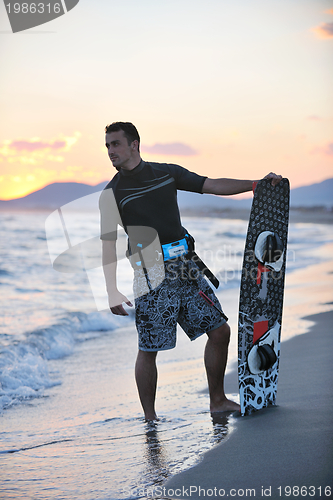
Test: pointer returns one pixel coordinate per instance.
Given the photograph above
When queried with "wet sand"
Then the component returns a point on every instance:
(289, 445)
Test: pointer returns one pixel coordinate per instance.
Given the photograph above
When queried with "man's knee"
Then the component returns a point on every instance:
(220, 335)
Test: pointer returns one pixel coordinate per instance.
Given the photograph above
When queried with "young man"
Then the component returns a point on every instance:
(144, 196)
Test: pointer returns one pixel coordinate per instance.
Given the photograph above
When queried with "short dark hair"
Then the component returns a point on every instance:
(129, 130)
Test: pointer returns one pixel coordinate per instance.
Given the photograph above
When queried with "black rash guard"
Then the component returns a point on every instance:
(147, 196)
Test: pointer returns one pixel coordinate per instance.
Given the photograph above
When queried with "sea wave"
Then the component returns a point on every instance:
(24, 370)
(24, 374)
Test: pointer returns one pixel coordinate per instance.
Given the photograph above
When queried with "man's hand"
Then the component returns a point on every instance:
(116, 300)
(275, 178)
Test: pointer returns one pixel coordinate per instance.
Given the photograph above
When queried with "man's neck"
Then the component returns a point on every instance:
(133, 163)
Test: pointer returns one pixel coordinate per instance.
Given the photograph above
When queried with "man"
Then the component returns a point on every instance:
(145, 196)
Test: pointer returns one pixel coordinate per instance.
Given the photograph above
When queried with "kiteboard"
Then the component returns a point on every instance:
(261, 296)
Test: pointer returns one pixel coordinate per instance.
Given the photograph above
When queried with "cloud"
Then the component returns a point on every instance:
(314, 118)
(172, 149)
(325, 30)
(34, 145)
(329, 149)
(34, 151)
(326, 150)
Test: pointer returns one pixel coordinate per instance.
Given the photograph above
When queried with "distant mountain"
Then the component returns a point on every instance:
(320, 194)
(53, 196)
(193, 201)
(59, 193)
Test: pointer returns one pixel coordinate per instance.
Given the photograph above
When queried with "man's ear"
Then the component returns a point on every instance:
(135, 145)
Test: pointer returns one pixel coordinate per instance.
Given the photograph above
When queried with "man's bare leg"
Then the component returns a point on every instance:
(146, 381)
(216, 354)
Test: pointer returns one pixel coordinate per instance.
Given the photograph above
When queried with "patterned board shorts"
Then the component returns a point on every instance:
(175, 300)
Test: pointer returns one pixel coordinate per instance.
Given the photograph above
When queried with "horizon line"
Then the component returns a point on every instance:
(107, 180)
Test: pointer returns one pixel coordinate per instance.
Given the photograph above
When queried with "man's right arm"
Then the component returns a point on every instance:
(116, 299)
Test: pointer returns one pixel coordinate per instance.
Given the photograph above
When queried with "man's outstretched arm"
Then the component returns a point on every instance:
(227, 187)
(116, 298)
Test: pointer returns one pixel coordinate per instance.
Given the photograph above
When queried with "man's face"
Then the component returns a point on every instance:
(120, 152)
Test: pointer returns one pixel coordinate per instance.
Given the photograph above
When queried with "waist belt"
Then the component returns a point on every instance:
(175, 249)
(185, 247)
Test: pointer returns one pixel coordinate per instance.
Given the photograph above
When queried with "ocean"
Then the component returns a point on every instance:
(71, 421)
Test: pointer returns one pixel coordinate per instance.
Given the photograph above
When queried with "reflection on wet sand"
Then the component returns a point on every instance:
(221, 425)
(157, 451)
(155, 456)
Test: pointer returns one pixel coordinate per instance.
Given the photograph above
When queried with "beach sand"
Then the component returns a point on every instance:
(289, 445)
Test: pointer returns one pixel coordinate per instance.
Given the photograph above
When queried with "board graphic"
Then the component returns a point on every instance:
(261, 296)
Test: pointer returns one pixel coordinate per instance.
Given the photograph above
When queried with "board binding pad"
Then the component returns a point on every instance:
(261, 296)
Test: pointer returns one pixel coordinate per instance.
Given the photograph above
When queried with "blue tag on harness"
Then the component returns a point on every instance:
(175, 249)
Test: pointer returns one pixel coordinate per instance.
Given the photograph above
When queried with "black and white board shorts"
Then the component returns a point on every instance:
(175, 300)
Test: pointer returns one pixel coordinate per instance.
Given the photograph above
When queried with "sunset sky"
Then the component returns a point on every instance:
(225, 88)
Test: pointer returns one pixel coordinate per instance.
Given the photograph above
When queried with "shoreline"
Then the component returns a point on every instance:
(288, 445)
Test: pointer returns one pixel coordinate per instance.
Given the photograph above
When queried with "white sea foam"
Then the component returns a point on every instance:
(24, 372)
(102, 321)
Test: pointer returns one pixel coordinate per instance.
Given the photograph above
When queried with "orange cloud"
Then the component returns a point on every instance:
(325, 30)
(34, 151)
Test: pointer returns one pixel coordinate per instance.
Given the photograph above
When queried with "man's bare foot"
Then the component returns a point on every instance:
(151, 418)
(225, 405)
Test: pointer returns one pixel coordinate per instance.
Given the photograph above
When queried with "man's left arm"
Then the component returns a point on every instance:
(227, 187)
